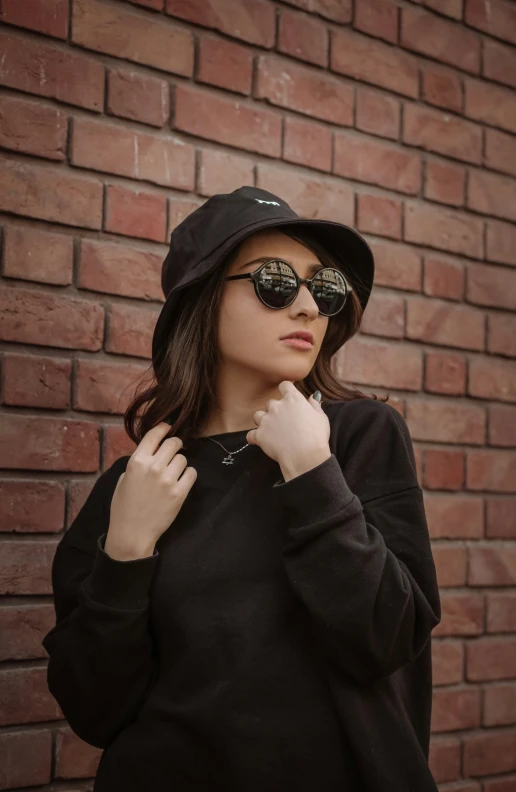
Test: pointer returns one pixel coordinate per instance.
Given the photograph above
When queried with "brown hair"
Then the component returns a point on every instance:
(182, 388)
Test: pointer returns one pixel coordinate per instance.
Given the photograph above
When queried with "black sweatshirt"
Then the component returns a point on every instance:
(280, 636)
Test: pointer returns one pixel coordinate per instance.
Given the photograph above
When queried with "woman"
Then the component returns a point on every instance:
(246, 602)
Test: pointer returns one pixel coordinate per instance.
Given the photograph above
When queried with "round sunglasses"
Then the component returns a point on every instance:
(277, 285)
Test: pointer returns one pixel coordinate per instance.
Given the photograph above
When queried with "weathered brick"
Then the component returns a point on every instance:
(64, 75)
(499, 705)
(443, 278)
(379, 215)
(442, 87)
(377, 113)
(32, 505)
(396, 266)
(491, 286)
(121, 32)
(461, 614)
(496, 18)
(385, 316)
(491, 658)
(501, 242)
(379, 364)
(307, 143)
(440, 132)
(492, 194)
(446, 41)
(446, 421)
(490, 103)
(501, 340)
(32, 128)
(222, 172)
(135, 213)
(138, 97)
(314, 93)
(455, 516)
(500, 151)
(447, 661)
(450, 564)
(488, 752)
(499, 62)
(120, 269)
(225, 64)
(25, 758)
(444, 182)
(104, 386)
(303, 37)
(130, 330)
(227, 121)
(445, 374)
(444, 469)
(359, 158)
(49, 17)
(37, 381)
(442, 228)
(35, 255)
(374, 62)
(336, 10)
(248, 20)
(59, 196)
(454, 709)
(377, 18)
(445, 758)
(501, 611)
(491, 470)
(441, 322)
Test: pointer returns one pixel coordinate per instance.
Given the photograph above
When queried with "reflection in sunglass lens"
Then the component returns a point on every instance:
(277, 287)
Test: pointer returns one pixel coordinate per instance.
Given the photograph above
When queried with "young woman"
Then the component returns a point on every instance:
(246, 602)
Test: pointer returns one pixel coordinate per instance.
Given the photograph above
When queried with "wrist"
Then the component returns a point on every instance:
(123, 551)
(293, 467)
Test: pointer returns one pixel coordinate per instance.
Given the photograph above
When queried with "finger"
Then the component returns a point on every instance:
(250, 437)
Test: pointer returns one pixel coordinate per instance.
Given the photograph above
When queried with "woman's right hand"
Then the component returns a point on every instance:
(148, 496)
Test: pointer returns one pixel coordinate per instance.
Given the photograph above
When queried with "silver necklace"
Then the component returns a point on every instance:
(229, 459)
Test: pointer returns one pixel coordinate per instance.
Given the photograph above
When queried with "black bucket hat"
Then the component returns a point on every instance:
(202, 240)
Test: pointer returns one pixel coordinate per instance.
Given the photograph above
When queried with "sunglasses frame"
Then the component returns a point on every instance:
(255, 277)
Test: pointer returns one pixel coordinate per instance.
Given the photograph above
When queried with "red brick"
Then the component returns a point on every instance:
(454, 709)
(359, 158)
(501, 339)
(314, 93)
(462, 614)
(309, 196)
(490, 658)
(445, 421)
(445, 374)
(450, 564)
(25, 758)
(31, 254)
(105, 387)
(444, 182)
(48, 319)
(501, 242)
(307, 143)
(224, 120)
(445, 758)
(377, 18)
(37, 381)
(442, 87)
(385, 317)
(501, 611)
(377, 113)
(445, 134)
(138, 97)
(492, 194)
(494, 470)
(125, 152)
(491, 104)
(118, 31)
(442, 228)
(500, 151)
(303, 37)
(32, 128)
(489, 752)
(502, 418)
(499, 62)
(130, 330)
(374, 62)
(135, 213)
(49, 17)
(120, 269)
(59, 196)
(179, 209)
(501, 518)
(117, 443)
(336, 10)
(58, 444)
(492, 379)
(379, 364)
(440, 322)
(437, 38)
(444, 469)
(23, 628)
(74, 757)
(491, 286)
(379, 215)
(454, 516)
(24, 692)
(223, 172)
(225, 64)
(447, 661)
(61, 74)
(499, 705)
(451, 8)
(249, 20)
(32, 505)
(498, 18)
(396, 266)
(443, 278)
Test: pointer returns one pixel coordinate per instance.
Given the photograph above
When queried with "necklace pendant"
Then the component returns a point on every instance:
(227, 460)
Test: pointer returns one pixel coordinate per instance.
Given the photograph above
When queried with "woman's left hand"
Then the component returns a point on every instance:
(293, 430)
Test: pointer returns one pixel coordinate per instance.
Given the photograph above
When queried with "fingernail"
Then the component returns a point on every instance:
(317, 396)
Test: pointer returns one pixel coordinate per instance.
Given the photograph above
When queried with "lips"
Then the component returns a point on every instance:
(302, 334)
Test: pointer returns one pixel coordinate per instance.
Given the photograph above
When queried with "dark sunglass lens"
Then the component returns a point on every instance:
(277, 284)
(329, 291)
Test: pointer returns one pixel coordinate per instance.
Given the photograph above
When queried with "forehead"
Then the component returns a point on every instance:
(274, 243)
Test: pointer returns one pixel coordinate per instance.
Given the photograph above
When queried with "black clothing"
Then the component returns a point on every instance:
(278, 638)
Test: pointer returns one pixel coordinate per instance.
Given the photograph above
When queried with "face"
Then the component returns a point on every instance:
(250, 333)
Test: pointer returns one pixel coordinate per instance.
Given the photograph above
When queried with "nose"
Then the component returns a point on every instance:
(305, 303)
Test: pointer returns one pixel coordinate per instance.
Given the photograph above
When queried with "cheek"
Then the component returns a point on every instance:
(245, 324)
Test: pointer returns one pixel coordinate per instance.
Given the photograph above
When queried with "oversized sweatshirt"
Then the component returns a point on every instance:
(278, 638)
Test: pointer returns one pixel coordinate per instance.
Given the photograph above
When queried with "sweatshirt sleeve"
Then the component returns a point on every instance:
(358, 550)
(101, 659)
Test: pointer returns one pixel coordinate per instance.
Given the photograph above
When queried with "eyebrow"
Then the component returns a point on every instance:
(263, 259)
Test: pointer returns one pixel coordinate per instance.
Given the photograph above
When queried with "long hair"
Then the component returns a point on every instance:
(182, 388)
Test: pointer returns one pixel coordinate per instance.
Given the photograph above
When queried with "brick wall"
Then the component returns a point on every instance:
(116, 120)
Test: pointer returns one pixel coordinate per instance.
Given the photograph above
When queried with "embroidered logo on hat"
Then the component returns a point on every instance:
(267, 202)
